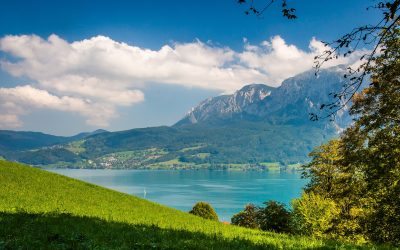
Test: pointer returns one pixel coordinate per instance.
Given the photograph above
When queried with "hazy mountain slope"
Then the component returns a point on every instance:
(11, 141)
(238, 142)
(20, 140)
(38, 148)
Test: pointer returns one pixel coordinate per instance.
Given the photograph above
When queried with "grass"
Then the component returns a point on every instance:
(294, 167)
(170, 162)
(272, 166)
(43, 210)
(203, 155)
(192, 148)
(76, 147)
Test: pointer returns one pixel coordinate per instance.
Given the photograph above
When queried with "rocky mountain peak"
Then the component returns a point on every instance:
(251, 93)
(290, 103)
(225, 106)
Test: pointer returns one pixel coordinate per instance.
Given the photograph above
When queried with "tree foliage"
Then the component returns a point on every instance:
(274, 216)
(315, 215)
(247, 217)
(360, 172)
(204, 210)
(354, 189)
(286, 10)
(373, 143)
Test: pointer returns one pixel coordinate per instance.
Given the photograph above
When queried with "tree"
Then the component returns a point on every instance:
(343, 183)
(315, 215)
(247, 217)
(360, 172)
(373, 143)
(333, 180)
(287, 11)
(274, 217)
(326, 174)
(370, 35)
(204, 210)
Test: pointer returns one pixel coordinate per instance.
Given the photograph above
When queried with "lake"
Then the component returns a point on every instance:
(227, 191)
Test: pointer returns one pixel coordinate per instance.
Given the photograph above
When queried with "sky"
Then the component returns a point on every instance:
(73, 66)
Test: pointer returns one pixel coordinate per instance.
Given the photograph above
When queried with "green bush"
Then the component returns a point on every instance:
(314, 215)
(247, 217)
(204, 210)
(274, 217)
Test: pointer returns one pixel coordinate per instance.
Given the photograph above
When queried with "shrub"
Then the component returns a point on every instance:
(274, 217)
(204, 210)
(247, 217)
(315, 215)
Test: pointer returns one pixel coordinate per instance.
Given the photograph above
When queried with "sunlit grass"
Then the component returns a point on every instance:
(76, 147)
(39, 209)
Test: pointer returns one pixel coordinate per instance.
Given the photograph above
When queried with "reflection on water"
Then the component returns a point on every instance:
(227, 191)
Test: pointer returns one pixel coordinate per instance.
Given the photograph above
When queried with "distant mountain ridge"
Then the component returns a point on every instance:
(290, 103)
(26, 140)
(225, 106)
(256, 127)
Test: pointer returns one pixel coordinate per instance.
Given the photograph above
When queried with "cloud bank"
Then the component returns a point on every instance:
(95, 76)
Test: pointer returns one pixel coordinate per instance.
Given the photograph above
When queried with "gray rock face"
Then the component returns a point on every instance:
(226, 106)
(291, 103)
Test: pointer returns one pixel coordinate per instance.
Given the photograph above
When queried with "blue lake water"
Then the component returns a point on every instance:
(227, 191)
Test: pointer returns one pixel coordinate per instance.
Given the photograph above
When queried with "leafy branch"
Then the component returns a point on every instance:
(287, 11)
(349, 43)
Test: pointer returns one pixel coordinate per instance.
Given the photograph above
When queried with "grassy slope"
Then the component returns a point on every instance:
(39, 209)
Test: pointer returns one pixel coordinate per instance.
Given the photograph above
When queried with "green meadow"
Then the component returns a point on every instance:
(43, 210)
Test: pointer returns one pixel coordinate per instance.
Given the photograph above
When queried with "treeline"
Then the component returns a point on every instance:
(354, 188)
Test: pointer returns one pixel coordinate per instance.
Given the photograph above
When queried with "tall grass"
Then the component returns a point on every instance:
(43, 210)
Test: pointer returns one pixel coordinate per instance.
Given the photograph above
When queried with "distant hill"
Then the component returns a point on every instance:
(256, 127)
(25, 140)
(21, 140)
(86, 134)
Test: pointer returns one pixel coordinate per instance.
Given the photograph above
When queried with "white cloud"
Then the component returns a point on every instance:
(19, 100)
(94, 76)
(277, 60)
(9, 121)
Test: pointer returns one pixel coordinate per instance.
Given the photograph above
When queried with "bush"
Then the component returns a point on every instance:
(315, 215)
(274, 217)
(204, 210)
(247, 217)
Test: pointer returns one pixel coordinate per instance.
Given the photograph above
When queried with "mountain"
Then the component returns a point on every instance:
(256, 127)
(226, 106)
(86, 134)
(290, 103)
(21, 140)
(11, 141)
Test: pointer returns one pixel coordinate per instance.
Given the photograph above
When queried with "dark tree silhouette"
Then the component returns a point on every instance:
(287, 11)
(368, 35)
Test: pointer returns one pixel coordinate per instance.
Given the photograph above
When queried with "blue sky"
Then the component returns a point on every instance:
(210, 47)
